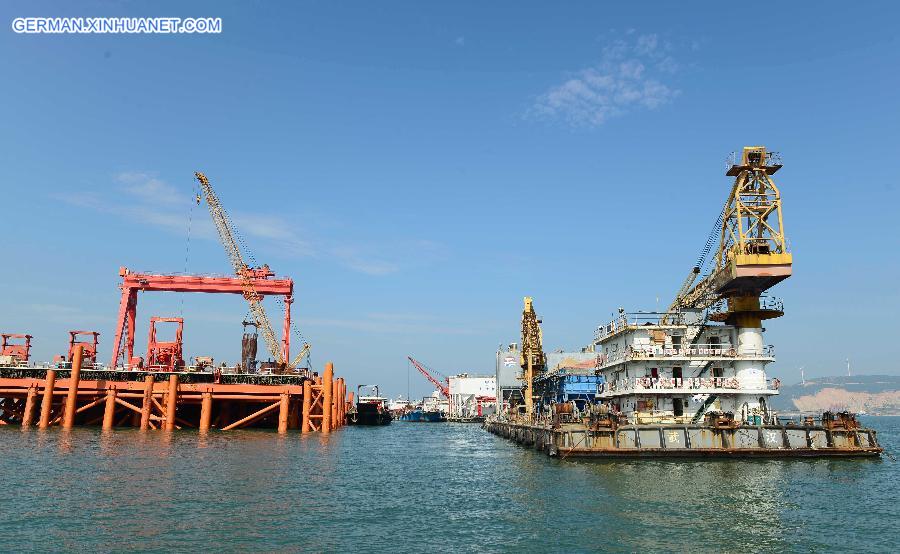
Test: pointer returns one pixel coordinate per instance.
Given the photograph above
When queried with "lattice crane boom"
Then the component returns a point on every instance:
(304, 351)
(532, 357)
(444, 388)
(241, 269)
(752, 255)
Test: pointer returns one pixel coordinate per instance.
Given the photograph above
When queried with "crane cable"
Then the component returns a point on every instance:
(252, 259)
(710, 240)
(187, 246)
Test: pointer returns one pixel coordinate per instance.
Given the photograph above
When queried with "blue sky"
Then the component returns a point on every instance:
(419, 168)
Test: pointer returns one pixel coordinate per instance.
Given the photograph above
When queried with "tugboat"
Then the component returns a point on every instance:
(371, 409)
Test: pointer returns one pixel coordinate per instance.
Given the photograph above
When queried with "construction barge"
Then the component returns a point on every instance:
(46, 397)
(690, 381)
(161, 390)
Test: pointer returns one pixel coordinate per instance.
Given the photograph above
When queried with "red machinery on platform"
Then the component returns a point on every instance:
(21, 351)
(165, 355)
(132, 283)
(89, 346)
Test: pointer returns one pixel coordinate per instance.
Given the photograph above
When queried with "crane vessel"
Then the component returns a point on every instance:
(689, 381)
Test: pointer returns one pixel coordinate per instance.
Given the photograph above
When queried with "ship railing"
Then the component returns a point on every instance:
(686, 384)
(635, 319)
(668, 417)
(695, 351)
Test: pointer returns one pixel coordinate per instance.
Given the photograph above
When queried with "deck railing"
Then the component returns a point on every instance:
(695, 351)
(686, 384)
(635, 319)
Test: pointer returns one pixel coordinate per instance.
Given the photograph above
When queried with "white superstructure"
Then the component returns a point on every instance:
(676, 371)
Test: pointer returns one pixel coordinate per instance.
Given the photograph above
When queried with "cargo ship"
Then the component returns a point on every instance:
(689, 381)
(370, 409)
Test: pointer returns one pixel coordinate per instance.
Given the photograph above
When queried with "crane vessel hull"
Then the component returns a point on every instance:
(690, 441)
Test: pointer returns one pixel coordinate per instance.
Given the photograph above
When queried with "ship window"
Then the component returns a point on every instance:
(677, 407)
(654, 372)
(714, 341)
(717, 372)
(676, 372)
(676, 341)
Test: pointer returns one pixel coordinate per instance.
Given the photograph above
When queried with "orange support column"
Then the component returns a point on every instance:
(344, 404)
(327, 382)
(74, 379)
(109, 413)
(47, 402)
(339, 403)
(171, 401)
(283, 411)
(28, 416)
(307, 403)
(335, 392)
(147, 406)
(205, 411)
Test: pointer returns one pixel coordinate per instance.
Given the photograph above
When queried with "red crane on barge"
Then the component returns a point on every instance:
(253, 283)
(443, 387)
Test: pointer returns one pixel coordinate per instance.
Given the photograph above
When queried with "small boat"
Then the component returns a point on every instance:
(428, 411)
(371, 409)
(420, 415)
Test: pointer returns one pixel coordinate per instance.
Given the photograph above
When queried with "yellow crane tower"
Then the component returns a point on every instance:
(752, 255)
(246, 273)
(531, 358)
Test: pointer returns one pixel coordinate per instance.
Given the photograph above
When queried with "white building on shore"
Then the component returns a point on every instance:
(472, 396)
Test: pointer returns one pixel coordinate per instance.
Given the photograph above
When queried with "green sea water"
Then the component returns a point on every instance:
(424, 488)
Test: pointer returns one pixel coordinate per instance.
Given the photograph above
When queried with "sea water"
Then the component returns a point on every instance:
(424, 487)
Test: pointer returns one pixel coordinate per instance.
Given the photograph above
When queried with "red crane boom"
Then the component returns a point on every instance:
(443, 387)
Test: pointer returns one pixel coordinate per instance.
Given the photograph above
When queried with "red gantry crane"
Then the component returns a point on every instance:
(443, 387)
(253, 283)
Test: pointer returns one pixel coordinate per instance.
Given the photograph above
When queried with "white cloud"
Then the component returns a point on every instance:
(274, 230)
(351, 258)
(627, 77)
(151, 201)
(150, 189)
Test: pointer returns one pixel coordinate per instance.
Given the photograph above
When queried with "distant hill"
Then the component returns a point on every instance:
(874, 394)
